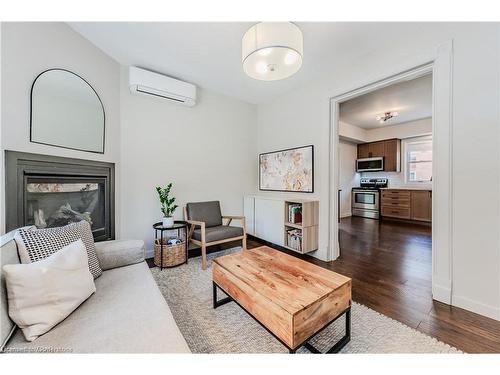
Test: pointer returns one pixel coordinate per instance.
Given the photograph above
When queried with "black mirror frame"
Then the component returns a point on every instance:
(98, 97)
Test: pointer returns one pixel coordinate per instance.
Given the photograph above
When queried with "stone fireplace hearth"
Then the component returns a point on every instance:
(48, 191)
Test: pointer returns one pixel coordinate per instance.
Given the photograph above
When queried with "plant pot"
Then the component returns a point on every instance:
(167, 222)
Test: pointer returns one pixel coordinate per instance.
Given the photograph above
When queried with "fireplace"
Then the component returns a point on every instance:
(48, 191)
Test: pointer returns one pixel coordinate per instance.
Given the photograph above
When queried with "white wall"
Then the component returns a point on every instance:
(475, 174)
(349, 178)
(30, 48)
(208, 152)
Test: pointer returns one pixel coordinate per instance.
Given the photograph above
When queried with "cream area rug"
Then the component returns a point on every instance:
(229, 329)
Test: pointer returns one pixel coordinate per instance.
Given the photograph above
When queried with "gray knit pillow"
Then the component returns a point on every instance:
(38, 244)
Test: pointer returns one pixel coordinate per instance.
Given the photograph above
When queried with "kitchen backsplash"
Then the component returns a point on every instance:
(396, 179)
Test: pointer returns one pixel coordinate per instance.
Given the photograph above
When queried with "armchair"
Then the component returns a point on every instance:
(207, 227)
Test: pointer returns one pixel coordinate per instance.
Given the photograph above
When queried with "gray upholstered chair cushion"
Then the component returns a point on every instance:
(208, 212)
(218, 233)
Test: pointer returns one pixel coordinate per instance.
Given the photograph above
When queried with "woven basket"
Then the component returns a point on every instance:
(173, 255)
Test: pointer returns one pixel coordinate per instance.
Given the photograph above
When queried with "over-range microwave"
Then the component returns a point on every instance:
(370, 164)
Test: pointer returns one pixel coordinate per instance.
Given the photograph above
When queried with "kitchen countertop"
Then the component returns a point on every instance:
(407, 188)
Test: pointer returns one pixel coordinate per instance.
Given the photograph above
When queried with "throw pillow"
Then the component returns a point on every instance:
(44, 293)
(37, 244)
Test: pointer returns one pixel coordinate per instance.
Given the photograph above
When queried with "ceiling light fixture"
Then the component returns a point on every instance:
(386, 116)
(272, 50)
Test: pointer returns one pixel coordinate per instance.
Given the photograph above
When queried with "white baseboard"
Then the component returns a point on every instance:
(441, 293)
(345, 214)
(477, 307)
(150, 253)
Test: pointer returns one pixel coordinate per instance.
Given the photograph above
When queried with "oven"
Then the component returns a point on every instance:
(365, 203)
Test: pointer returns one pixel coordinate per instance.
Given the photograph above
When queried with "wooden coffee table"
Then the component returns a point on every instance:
(291, 298)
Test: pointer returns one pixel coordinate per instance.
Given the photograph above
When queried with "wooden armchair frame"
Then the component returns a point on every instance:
(203, 244)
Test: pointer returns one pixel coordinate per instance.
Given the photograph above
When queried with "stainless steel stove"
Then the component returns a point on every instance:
(366, 197)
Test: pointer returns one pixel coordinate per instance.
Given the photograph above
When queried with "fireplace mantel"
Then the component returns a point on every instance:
(23, 169)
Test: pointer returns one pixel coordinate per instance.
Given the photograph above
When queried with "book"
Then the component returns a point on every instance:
(294, 239)
(295, 213)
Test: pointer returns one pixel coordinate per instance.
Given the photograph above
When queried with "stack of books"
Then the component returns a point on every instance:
(294, 239)
(295, 213)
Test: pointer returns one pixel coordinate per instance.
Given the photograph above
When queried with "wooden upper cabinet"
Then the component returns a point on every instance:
(376, 149)
(363, 151)
(389, 149)
(421, 205)
(392, 153)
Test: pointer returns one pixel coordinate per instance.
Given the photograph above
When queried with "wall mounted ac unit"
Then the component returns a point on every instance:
(144, 82)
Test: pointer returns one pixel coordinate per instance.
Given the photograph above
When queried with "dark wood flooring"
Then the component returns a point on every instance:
(390, 266)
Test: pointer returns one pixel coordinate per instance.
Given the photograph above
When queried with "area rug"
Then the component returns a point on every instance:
(229, 329)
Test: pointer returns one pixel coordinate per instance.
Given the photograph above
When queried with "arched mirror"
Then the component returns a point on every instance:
(66, 112)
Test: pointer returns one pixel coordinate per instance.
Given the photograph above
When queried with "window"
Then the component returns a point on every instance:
(419, 160)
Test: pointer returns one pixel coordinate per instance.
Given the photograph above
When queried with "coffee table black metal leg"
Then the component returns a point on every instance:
(221, 302)
(341, 343)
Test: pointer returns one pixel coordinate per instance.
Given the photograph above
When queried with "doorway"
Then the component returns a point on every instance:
(385, 182)
(440, 68)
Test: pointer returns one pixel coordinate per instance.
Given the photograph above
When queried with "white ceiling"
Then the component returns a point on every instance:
(411, 99)
(208, 54)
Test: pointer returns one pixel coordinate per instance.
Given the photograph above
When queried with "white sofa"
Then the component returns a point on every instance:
(127, 313)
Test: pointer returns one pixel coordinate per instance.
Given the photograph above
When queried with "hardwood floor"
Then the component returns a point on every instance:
(390, 265)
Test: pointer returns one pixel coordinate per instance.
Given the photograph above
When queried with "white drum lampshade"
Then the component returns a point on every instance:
(272, 50)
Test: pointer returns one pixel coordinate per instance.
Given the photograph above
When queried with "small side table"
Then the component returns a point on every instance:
(178, 225)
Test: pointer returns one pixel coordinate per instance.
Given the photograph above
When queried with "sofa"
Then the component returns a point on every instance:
(126, 314)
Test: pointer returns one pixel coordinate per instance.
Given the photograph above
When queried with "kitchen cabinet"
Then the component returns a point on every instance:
(392, 155)
(407, 204)
(421, 205)
(389, 149)
(396, 204)
(363, 151)
(376, 149)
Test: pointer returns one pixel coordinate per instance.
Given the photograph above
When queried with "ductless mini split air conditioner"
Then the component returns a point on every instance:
(144, 82)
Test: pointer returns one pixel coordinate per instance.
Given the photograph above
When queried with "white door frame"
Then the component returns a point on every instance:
(440, 65)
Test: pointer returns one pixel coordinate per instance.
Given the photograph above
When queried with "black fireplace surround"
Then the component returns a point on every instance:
(50, 191)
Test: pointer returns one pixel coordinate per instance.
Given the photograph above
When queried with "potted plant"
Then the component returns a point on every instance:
(167, 205)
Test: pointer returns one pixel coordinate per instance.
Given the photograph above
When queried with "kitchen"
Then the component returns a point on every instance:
(385, 153)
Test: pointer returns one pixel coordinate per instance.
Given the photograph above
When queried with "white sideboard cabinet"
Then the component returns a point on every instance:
(266, 219)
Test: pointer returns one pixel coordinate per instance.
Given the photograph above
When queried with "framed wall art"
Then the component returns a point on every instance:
(289, 170)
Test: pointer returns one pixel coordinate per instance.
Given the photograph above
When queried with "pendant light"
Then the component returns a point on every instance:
(272, 50)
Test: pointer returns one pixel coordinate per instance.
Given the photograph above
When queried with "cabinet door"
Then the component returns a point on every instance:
(249, 213)
(269, 219)
(421, 205)
(392, 155)
(363, 151)
(376, 149)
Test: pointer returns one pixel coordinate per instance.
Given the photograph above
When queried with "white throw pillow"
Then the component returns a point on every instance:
(44, 293)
